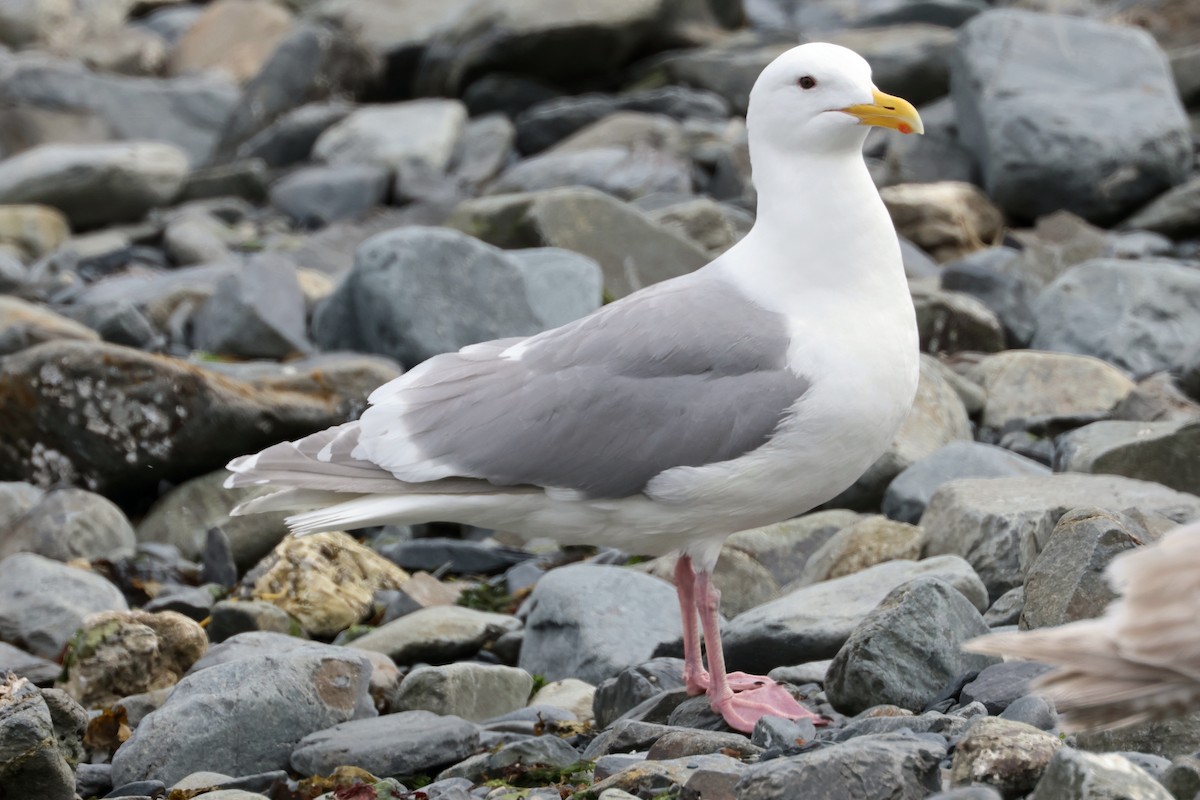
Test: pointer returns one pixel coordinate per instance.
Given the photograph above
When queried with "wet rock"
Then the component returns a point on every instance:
(1020, 112)
(813, 622)
(785, 548)
(70, 523)
(43, 602)
(1001, 524)
(1132, 314)
(894, 656)
(993, 276)
(113, 419)
(902, 766)
(408, 743)
(909, 494)
(245, 716)
(471, 691)
(256, 312)
(950, 322)
(317, 196)
(948, 219)
(576, 624)
(635, 685)
(632, 250)
(437, 635)
(382, 305)
(31, 763)
(1023, 385)
(623, 173)
(1076, 775)
(999, 685)
(233, 36)
(95, 184)
(1149, 451)
(1008, 755)
(865, 543)
(120, 653)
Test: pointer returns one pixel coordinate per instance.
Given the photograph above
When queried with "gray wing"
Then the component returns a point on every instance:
(686, 373)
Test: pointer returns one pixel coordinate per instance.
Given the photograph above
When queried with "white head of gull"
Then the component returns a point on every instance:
(739, 395)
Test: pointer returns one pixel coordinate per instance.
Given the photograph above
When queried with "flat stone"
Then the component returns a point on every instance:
(617, 171)
(869, 541)
(407, 743)
(949, 726)
(690, 742)
(1175, 212)
(439, 634)
(1010, 756)
(1076, 775)
(577, 622)
(813, 622)
(1000, 525)
(390, 135)
(43, 602)
(1150, 451)
(455, 556)
(471, 691)
(654, 777)
(317, 196)
(39, 671)
(999, 685)
(894, 656)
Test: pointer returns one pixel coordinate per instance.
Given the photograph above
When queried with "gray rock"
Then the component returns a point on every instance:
(993, 277)
(230, 618)
(633, 686)
(1169, 738)
(453, 556)
(1076, 775)
(426, 131)
(407, 743)
(193, 602)
(95, 184)
(438, 634)
(417, 292)
(623, 173)
(290, 138)
(1024, 113)
(869, 541)
(909, 59)
(1157, 398)
(258, 312)
(578, 625)
(31, 764)
(1000, 525)
(1175, 212)
(70, 523)
(43, 602)
(632, 250)
(798, 15)
(1032, 709)
(691, 742)
(625, 736)
(727, 69)
(1162, 452)
(198, 237)
(483, 150)
(246, 179)
(904, 767)
(946, 725)
(999, 685)
(41, 671)
(968, 793)
(951, 322)
(246, 715)
(776, 732)
(1133, 314)
(895, 657)
(785, 548)
(93, 780)
(908, 495)
(1010, 756)
(53, 100)
(814, 622)
(1066, 582)
(562, 285)
(317, 196)
(1181, 778)
(24, 324)
(530, 753)
(471, 691)
(714, 226)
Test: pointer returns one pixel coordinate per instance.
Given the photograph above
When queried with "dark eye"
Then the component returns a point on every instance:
(807, 82)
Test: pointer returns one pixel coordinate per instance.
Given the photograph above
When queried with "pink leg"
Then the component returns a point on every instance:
(694, 675)
(741, 709)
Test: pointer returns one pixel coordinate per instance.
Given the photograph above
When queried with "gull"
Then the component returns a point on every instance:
(736, 396)
(1140, 660)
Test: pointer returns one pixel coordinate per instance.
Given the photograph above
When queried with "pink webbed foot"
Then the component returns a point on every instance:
(698, 683)
(742, 710)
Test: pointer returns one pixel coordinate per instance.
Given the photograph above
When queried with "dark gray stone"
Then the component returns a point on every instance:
(43, 602)
(40, 671)
(1076, 775)
(1169, 738)
(1157, 398)
(1163, 452)
(999, 685)
(246, 715)
(1175, 212)
(894, 656)
(194, 602)
(290, 138)
(31, 763)
(317, 196)
(1136, 315)
(1032, 709)
(993, 277)
(1067, 582)
(407, 743)
(691, 742)
(946, 725)
(898, 766)
(633, 686)
(801, 16)
(258, 312)
(625, 736)
(771, 732)
(1006, 610)
(623, 173)
(1021, 82)
(1182, 777)
(577, 624)
(150, 789)
(908, 495)
(71, 523)
(93, 780)
(456, 556)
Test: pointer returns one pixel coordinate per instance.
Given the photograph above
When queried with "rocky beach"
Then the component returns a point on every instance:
(223, 224)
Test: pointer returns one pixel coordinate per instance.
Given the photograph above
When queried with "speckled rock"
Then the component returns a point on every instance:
(870, 541)
(1010, 756)
(785, 548)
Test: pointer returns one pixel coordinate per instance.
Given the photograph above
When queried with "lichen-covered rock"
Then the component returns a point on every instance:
(1008, 755)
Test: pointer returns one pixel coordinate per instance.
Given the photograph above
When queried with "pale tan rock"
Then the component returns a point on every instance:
(326, 581)
(25, 324)
(784, 548)
(32, 231)
(570, 694)
(426, 590)
(947, 219)
(743, 581)
(870, 541)
(234, 36)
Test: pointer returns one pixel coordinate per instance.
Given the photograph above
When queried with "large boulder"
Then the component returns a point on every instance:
(1025, 85)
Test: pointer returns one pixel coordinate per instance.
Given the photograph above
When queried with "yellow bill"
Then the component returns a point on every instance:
(887, 111)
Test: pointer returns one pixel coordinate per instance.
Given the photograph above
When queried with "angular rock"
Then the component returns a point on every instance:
(70, 523)
(950, 322)
(437, 635)
(632, 250)
(1076, 775)
(1032, 709)
(1010, 756)
(1023, 112)
(569, 694)
(31, 764)
(785, 548)
(813, 622)
(1163, 452)
(718, 772)
(577, 622)
(714, 226)
(993, 276)
(317, 196)
(471, 691)
(114, 419)
(999, 685)
(909, 494)
(635, 685)
(408, 743)
(904, 767)
(290, 138)
(383, 304)
(627, 174)
(870, 541)
(743, 581)
(257, 312)
(1157, 398)
(1175, 212)
(895, 656)
(948, 220)
(1136, 315)
(1000, 525)
(95, 184)
(425, 131)
(43, 602)
(234, 36)
(626, 130)
(1023, 385)
(246, 716)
